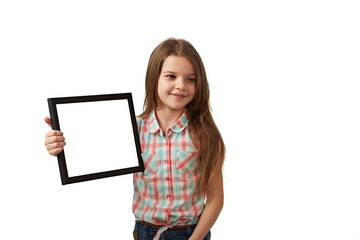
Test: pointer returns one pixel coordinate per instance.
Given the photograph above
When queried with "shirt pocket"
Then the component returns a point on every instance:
(186, 161)
(149, 163)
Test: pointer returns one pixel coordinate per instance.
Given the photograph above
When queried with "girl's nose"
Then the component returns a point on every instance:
(180, 83)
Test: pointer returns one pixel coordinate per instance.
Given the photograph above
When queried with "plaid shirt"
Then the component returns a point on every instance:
(165, 193)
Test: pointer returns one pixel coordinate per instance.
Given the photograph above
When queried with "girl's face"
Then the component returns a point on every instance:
(176, 86)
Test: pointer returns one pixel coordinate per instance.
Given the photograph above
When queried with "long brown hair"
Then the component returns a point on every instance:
(201, 122)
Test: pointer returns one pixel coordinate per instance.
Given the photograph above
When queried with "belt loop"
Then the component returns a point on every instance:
(188, 230)
(145, 227)
(165, 234)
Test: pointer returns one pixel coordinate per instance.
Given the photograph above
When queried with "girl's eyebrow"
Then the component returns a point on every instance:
(175, 73)
(168, 72)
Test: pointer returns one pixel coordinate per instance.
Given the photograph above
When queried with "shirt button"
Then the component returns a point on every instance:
(168, 196)
(167, 179)
(167, 142)
(166, 160)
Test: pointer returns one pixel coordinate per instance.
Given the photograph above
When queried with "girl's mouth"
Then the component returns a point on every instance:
(177, 96)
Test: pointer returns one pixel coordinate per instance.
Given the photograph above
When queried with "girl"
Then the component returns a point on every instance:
(182, 149)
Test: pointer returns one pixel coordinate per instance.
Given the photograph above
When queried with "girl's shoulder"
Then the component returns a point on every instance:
(141, 120)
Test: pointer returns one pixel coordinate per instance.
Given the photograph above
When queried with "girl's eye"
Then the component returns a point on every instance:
(170, 76)
(191, 79)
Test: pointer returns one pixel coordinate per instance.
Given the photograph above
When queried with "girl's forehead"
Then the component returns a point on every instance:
(178, 64)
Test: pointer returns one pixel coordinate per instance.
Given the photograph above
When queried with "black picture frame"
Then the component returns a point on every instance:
(63, 103)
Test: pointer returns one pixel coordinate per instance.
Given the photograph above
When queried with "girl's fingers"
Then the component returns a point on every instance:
(52, 146)
(54, 133)
(55, 151)
(53, 139)
(48, 121)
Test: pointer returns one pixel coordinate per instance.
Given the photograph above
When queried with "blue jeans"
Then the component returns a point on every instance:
(144, 232)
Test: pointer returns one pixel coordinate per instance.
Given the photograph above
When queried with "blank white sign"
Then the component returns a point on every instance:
(99, 136)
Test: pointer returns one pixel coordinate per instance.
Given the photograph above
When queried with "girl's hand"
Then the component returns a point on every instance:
(54, 140)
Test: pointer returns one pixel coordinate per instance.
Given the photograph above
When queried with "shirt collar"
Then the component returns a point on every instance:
(153, 123)
(178, 126)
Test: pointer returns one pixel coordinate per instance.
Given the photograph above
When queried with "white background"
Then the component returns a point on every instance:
(284, 78)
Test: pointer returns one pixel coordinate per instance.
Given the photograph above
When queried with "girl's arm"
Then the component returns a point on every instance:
(214, 204)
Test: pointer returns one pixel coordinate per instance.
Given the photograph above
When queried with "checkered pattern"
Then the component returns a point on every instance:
(165, 193)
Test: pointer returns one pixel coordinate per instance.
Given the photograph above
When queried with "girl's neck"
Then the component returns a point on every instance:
(166, 118)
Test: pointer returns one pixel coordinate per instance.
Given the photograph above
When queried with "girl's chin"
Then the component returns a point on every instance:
(171, 108)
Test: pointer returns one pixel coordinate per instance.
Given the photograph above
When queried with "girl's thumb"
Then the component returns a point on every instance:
(48, 121)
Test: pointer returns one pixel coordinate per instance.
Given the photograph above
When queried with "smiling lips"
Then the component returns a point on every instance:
(178, 95)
